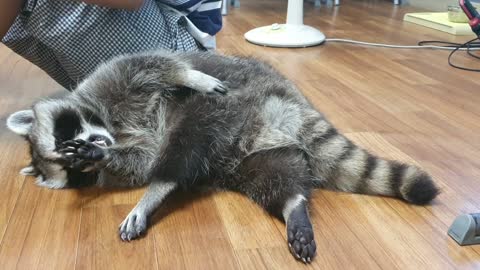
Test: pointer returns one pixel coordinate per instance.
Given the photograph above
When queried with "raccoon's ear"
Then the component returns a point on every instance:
(29, 170)
(21, 122)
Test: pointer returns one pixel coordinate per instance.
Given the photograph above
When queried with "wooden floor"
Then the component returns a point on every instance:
(406, 105)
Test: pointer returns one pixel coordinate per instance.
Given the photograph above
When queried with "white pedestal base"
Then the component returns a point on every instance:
(285, 35)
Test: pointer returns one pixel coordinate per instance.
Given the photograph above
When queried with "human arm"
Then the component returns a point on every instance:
(9, 10)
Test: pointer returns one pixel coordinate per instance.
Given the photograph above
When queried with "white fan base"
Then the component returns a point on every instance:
(285, 35)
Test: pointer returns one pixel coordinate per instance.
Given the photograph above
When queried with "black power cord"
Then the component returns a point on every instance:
(471, 44)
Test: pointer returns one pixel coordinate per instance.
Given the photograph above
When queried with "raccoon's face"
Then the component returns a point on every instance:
(46, 127)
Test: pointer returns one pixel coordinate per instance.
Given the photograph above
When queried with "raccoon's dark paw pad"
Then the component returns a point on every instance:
(301, 243)
(134, 226)
(80, 149)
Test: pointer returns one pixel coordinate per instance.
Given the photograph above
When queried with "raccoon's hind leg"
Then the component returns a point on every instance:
(299, 228)
(279, 180)
(159, 71)
(135, 224)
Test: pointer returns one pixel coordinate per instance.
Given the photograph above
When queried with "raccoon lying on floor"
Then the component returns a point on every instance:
(152, 119)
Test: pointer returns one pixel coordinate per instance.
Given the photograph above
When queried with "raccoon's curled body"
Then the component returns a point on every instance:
(152, 119)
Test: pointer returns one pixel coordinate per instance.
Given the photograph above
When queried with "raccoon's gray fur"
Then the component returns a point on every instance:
(143, 119)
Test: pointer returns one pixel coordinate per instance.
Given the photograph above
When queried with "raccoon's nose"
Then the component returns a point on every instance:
(100, 140)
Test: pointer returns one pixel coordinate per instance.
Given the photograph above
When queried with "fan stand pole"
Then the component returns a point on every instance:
(292, 34)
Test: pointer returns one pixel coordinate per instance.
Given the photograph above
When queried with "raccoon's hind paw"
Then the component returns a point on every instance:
(301, 242)
(204, 83)
(134, 226)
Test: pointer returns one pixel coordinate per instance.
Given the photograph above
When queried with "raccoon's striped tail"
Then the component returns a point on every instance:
(348, 168)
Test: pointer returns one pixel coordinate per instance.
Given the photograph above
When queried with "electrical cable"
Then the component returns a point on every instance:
(473, 55)
(468, 47)
(393, 46)
(445, 43)
(467, 44)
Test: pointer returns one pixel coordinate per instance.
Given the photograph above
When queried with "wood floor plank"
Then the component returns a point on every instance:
(420, 218)
(19, 226)
(102, 242)
(357, 223)
(11, 162)
(335, 236)
(250, 259)
(86, 250)
(276, 258)
(39, 231)
(63, 228)
(196, 231)
(245, 233)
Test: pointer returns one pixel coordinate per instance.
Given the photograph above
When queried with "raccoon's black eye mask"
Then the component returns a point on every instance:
(67, 125)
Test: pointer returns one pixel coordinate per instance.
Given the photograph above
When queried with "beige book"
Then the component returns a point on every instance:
(439, 21)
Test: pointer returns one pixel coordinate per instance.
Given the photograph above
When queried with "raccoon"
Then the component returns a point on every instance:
(188, 120)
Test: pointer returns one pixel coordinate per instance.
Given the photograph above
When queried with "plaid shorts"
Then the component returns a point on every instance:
(69, 39)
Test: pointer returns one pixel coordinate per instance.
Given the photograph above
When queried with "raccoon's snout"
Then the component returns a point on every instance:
(100, 140)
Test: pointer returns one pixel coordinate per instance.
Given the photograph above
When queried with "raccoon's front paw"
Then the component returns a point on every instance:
(80, 154)
(205, 83)
(82, 150)
(134, 225)
(301, 242)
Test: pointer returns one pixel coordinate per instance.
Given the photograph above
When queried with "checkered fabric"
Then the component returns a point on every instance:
(69, 39)
(204, 14)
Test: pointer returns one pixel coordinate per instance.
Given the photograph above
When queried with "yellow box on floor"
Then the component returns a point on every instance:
(439, 21)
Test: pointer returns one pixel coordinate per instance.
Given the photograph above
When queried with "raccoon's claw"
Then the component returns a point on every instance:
(216, 87)
(221, 89)
(76, 142)
(81, 150)
(134, 225)
(301, 243)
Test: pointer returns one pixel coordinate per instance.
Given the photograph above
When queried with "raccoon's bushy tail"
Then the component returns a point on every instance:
(349, 168)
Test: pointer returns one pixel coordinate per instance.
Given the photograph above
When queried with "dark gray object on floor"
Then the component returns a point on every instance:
(465, 230)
